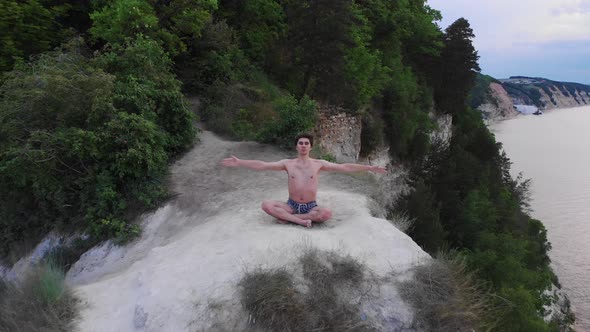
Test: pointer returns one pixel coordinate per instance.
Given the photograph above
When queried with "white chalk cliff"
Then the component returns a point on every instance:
(194, 250)
(500, 106)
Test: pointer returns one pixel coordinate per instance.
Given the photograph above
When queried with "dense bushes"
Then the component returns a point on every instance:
(34, 29)
(258, 113)
(81, 146)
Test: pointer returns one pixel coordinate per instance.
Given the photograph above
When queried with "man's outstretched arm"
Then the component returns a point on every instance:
(333, 167)
(257, 165)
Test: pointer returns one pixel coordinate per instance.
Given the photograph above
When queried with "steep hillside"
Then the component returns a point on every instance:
(546, 94)
(500, 99)
(491, 99)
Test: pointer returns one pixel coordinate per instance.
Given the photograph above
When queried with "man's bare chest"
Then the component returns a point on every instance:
(302, 173)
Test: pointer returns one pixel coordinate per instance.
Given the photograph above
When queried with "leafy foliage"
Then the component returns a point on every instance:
(78, 145)
(458, 72)
(293, 118)
(27, 29)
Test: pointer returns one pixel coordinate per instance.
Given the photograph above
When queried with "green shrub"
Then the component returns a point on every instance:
(257, 111)
(79, 144)
(216, 59)
(120, 20)
(292, 118)
(231, 110)
(28, 28)
(320, 153)
(51, 111)
(145, 84)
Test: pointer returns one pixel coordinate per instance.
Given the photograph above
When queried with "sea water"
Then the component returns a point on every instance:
(554, 150)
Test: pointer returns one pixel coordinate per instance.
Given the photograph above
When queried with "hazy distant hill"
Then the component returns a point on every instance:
(521, 90)
(545, 93)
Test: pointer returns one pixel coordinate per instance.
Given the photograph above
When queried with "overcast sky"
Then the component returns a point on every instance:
(542, 38)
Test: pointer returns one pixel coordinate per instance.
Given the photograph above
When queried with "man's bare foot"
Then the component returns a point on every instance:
(306, 222)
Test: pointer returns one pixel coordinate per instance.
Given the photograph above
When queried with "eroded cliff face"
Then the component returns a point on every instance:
(499, 106)
(558, 99)
(546, 94)
(339, 134)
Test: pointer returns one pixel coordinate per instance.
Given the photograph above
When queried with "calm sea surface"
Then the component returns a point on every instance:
(554, 150)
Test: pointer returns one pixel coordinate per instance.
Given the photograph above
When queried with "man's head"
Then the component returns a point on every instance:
(304, 143)
(309, 139)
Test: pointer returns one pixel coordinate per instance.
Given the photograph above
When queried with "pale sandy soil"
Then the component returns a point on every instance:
(194, 250)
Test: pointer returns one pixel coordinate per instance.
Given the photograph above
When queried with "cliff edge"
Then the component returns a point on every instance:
(195, 250)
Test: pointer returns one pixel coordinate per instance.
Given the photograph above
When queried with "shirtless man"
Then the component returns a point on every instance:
(303, 173)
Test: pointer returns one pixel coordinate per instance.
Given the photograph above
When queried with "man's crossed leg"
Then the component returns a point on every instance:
(284, 212)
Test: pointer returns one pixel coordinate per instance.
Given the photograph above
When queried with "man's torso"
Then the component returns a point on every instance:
(303, 179)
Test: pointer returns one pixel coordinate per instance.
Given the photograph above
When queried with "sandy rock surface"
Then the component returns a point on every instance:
(194, 250)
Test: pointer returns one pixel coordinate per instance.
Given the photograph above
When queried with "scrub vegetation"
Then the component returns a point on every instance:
(38, 302)
(327, 297)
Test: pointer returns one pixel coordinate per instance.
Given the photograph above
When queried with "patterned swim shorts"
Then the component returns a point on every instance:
(301, 208)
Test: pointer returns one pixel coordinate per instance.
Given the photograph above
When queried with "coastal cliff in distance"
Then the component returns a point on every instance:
(505, 98)
(546, 94)
(491, 99)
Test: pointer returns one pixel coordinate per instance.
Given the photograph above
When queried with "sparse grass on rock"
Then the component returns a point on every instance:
(326, 298)
(41, 302)
(402, 221)
(446, 297)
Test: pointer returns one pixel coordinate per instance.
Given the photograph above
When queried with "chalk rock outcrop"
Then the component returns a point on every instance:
(194, 250)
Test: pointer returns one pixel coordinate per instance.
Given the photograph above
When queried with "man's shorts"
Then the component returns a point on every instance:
(301, 208)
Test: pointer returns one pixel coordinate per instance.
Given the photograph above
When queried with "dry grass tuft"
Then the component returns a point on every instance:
(446, 297)
(272, 300)
(40, 302)
(327, 298)
(402, 221)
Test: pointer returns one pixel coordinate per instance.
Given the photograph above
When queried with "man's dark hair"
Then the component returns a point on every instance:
(308, 136)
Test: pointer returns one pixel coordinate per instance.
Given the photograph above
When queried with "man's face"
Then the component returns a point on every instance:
(303, 146)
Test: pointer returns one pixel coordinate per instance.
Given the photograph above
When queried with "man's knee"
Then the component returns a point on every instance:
(325, 214)
(267, 206)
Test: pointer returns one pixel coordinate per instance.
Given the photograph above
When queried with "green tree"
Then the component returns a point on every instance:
(293, 117)
(182, 22)
(146, 85)
(319, 35)
(49, 142)
(122, 19)
(458, 67)
(27, 28)
(427, 229)
(217, 58)
(261, 24)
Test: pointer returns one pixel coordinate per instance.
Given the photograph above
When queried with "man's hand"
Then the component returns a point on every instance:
(378, 169)
(232, 161)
